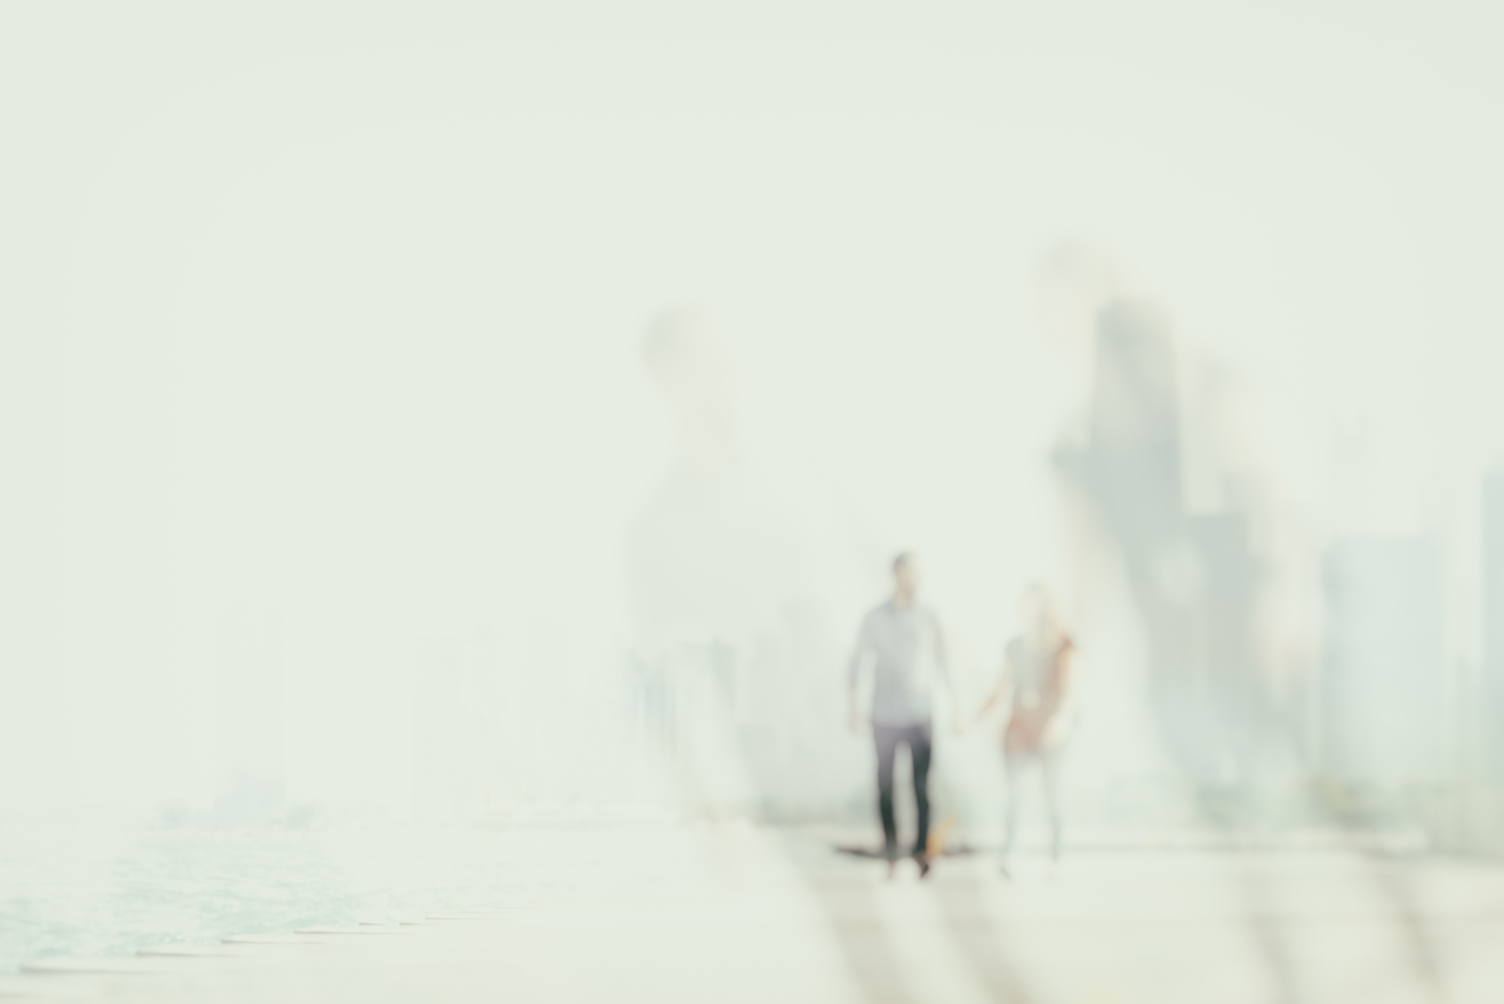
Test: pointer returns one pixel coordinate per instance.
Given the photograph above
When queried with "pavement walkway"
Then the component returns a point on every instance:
(734, 914)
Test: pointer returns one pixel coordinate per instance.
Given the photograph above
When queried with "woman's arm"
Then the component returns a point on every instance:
(1065, 679)
(1066, 668)
(1004, 684)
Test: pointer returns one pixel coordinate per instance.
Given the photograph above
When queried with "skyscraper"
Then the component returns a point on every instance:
(1493, 622)
(1383, 710)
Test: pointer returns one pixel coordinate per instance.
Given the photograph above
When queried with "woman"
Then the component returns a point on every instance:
(1037, 675)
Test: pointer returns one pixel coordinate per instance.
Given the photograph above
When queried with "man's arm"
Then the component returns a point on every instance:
(942, 658)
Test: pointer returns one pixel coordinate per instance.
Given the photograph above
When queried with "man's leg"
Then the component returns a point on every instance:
(919, 752)
(886, 740)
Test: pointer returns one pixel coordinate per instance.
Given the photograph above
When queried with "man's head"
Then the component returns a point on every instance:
(693, 370)
(906, 575)
(1072, 283)
(690, 363)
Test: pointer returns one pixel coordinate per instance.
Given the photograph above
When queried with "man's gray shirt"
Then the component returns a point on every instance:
(908, 658)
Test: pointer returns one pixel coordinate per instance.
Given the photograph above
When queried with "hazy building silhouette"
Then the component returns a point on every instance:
(732, 614)
(1382, 693)
(1493, 622)
(1192, 575)
(452, 702)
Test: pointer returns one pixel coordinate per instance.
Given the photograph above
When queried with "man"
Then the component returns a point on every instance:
(1163, 474)
(728, 568)
(902, 641)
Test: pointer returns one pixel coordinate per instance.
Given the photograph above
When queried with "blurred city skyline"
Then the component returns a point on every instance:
(335, 327)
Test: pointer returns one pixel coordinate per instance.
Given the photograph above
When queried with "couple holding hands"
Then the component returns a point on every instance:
(902, 645)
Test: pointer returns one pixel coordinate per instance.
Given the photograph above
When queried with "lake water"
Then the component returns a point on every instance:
(112, 888)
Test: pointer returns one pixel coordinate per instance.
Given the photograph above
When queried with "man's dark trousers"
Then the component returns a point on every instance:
(917, 737)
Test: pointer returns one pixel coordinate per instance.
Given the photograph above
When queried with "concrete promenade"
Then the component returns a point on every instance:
(734, 914)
